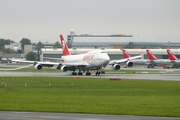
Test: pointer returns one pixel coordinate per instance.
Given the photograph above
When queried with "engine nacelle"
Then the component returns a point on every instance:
(129, 63)
(116, 66)
(64, 68)
(38, 66)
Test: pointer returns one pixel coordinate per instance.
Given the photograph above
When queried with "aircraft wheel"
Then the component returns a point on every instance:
(97, 73)
(80, 73)
(74, 73)
(88, 73)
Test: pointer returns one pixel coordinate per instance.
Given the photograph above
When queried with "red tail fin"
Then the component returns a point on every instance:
(126, 54)
(151, 55)
(64, 46)
(171, 55)
(7, 58)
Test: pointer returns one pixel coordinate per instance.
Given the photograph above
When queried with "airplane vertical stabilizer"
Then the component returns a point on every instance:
(171, 55)
(151, 55)
(64, 46)
(126, 54)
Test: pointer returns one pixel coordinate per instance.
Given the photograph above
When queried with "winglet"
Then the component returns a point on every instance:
(171, 55)
(151, 55)
(64, 46)
(126, 54)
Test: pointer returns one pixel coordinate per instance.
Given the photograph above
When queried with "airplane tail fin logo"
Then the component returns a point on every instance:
(126, 54)
(171, 55)
(64, 46)
(151, 55)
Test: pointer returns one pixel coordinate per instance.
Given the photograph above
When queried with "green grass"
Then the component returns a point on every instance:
(88, 95)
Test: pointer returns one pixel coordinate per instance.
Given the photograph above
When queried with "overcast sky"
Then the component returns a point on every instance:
(44, 20)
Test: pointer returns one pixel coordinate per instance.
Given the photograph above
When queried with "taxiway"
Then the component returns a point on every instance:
(12, 115)
(174, 77)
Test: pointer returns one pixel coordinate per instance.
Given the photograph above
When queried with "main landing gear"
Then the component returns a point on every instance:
(98, 72)
(150, 66)
(80, 73)
(88, 72)
(75, 73)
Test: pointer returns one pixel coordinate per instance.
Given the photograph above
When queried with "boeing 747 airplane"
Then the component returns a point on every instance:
(92, 60)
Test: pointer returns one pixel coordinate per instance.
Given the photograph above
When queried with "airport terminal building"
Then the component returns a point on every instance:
(113, 44)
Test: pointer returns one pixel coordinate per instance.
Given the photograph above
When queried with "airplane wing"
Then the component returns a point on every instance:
(135, 57)
(126, 59)
(59, 59)
(18, 67)
(35, 62)
(68, 64)
(22, 61)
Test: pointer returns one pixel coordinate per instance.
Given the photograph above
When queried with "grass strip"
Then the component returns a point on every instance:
(90, 95)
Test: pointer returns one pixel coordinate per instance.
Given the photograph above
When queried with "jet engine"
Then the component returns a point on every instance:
(129, 64)
(38, 66)
(116, 66)
(64, 68)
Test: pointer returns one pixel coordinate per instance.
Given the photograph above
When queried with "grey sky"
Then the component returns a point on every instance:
(44, 20)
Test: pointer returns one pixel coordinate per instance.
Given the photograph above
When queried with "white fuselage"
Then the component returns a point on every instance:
(147, 61)
(177, 62)
(92, 59)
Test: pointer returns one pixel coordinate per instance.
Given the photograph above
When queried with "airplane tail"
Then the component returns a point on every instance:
(64, 46)
(126, 54)
(7, 58)
(151, 55)
(171, 55)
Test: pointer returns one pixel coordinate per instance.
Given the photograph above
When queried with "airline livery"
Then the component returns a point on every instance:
(154, 60)
(151, 61)
(92, 60)
(173, 59)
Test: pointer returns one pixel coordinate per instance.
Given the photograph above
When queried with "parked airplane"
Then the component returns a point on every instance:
(92, 60)
(127, 60)
(134, 60)
(173, 59)
(154, 60)
(151, 62)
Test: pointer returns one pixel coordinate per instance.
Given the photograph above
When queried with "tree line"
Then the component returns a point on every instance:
(23, 41)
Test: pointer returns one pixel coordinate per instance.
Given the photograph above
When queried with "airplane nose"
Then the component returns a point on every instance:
(107, 58)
